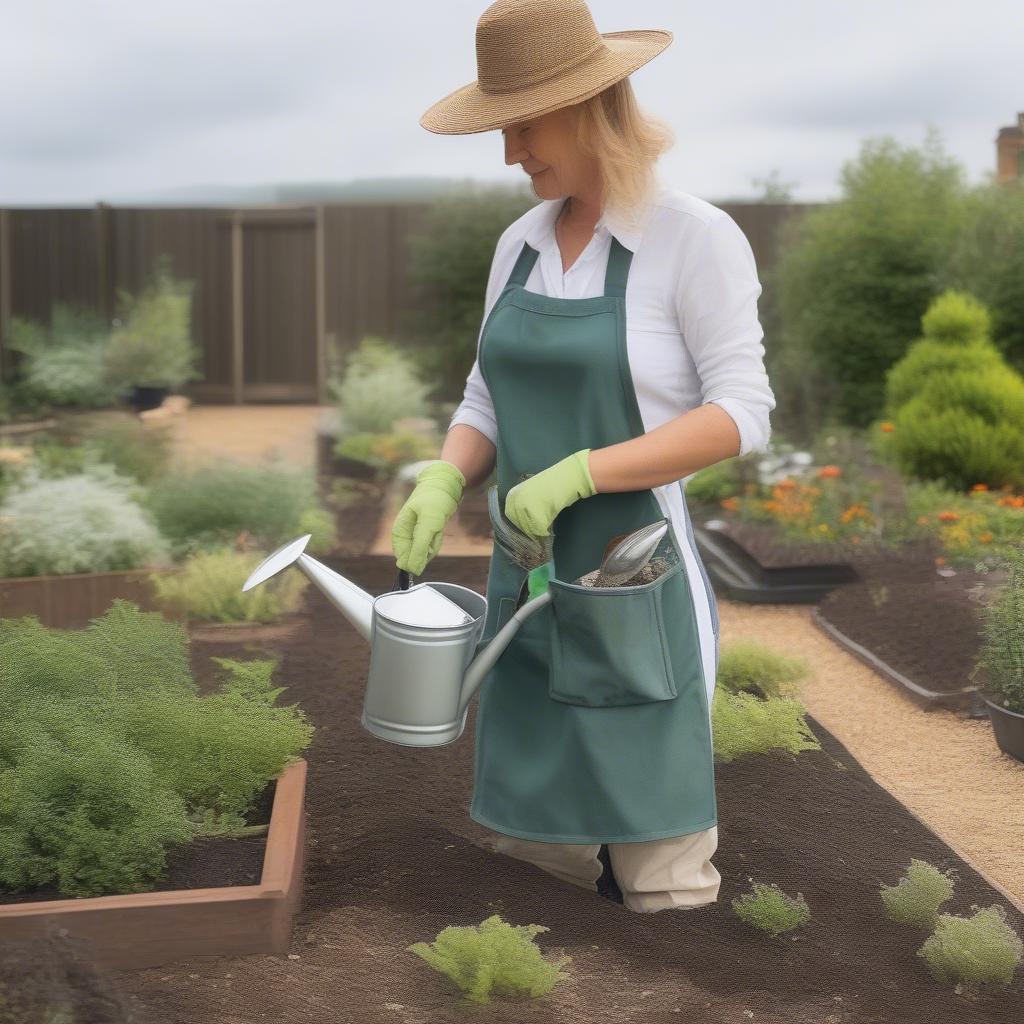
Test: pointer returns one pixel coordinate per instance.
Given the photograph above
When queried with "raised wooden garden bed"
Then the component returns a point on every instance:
(284, 628)
(69, 602)
(149, 929)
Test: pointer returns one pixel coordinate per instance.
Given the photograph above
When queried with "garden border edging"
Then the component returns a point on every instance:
(150, 929)
(953, 700)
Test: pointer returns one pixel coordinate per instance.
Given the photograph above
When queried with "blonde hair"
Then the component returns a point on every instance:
(626, 143)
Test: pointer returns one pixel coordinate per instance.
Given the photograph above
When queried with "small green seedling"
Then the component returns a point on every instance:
(493, 955)
(744, 724)
(768, 908)
(746, 665)
(969, 951)
(916, 899)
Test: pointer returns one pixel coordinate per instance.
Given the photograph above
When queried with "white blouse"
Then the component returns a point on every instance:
(692, 329)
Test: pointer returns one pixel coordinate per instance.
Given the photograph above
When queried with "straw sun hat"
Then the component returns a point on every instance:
(534, 56)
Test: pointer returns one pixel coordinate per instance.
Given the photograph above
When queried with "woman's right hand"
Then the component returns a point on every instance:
(418, 530)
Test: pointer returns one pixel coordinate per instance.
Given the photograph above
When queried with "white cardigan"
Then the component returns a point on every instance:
(692, 329)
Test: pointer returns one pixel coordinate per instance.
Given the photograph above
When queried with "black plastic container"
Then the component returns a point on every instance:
(142, 399)
(1008, 727)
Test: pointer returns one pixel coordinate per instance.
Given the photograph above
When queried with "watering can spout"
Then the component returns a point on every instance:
(352, 601)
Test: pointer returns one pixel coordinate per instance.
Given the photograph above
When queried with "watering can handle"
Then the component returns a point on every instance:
(402, 583)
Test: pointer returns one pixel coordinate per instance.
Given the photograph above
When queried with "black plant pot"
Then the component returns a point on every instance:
(1008, 727)
(142, 398)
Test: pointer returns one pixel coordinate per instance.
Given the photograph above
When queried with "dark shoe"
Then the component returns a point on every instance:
(606, 884)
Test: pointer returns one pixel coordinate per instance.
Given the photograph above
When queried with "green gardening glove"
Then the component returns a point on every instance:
(418, 529)
(533, 504)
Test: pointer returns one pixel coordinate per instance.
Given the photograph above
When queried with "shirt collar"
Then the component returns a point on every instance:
(541, 235)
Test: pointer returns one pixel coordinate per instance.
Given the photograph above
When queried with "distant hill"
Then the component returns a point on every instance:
(375, 190)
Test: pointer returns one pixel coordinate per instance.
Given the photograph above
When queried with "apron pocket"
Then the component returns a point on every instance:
(608, 644)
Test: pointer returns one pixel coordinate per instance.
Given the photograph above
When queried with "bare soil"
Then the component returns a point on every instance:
(394, 858)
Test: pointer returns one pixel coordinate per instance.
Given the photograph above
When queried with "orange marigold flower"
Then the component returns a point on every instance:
(827, 472)
(980, 487)
(940, 560)
(730, 503)
(923, 520)
(985, 538)
(887, 426)
(948, 517)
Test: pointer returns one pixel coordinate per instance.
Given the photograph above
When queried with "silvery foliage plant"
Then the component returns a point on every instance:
(91, 521)
(781, 460)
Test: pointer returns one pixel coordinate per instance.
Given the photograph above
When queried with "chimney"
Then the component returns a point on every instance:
(1010, 152)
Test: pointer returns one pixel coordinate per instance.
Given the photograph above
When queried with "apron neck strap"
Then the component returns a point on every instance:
(619, 259)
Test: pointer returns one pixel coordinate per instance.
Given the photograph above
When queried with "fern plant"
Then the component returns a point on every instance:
(492, 956)
(109, 755)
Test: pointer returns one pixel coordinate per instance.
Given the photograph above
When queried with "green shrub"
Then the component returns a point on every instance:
(387, 453)
(91, 522)
(854, 277)
(916, 899)
(493, 956)
(713, 483)
(971, 951)
(380, 385)
(957, 318)
(108, 754)
(957, 448)
(930, 358)
(451, 252)
(770, 910)
(754, 668)
(64, 362)
(986, 259)
(153, 345)
(1002, 628)
(134, 449)
(320, 524)
(745, 724)
(209, 589)
(210, 506)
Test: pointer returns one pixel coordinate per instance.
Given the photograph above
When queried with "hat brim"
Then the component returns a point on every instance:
(469, 109)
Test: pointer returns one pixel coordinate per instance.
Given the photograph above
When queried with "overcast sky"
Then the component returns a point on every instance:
(101, 99)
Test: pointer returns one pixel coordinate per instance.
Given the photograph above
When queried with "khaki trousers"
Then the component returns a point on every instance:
(662, 874)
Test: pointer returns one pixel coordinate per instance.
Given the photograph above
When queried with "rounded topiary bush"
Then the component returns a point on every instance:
(956, 318)
(930, 358)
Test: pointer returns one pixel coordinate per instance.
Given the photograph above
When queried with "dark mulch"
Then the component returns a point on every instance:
(357, 524)
(925, 625)
(394, 858)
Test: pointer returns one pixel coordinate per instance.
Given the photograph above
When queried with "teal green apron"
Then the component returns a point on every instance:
(593, 725)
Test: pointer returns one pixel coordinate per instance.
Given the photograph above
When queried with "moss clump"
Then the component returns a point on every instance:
(769, 909)
(751, 667)
(971, 951)
(916, 899)
(492, 956)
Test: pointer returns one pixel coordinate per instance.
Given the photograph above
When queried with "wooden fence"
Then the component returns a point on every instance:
(276, 286)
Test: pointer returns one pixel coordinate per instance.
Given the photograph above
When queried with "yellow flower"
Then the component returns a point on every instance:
(887, 427)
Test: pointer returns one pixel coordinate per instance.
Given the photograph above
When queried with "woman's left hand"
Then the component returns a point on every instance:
(534, 503)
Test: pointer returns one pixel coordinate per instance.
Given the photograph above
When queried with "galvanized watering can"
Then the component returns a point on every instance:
(426, 661)
(421, 677)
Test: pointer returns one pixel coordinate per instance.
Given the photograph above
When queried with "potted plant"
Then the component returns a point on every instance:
(150, 352)
(1001, 659)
